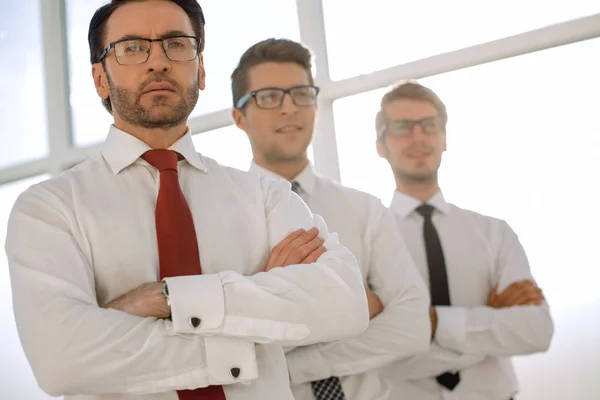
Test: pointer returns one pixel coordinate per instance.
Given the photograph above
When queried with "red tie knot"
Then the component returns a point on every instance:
(162, 159)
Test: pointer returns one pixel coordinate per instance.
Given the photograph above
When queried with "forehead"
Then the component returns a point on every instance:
(281, 75)
(149, 19)
(410, 109)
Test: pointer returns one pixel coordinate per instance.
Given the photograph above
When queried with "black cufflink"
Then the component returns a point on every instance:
(195, 322)
(235, 372)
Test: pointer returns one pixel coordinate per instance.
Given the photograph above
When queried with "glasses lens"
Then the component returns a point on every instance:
(401, 128)
(133, 51)
(268, 98)
(304, 96)
(181, 48)
(430, 125)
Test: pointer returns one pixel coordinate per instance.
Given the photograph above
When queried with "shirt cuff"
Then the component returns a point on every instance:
(451, 331)
(230, 360)
(305, 364)
(197, 303)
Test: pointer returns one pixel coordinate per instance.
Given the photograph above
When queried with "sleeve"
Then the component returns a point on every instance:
(431, 364)
(402, 329)
(292, 306)
(498, 332)
(76, 347)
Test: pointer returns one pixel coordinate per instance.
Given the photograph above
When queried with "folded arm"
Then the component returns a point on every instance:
(502, 332)
(76, 347)
(400, 330)
(296, 305)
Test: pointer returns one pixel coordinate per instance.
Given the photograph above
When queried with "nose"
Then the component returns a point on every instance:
(158, 61)
(288, 106)
(418, 134)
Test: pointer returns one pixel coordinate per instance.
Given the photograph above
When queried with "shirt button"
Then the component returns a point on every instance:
(195, 322)
(235, 372)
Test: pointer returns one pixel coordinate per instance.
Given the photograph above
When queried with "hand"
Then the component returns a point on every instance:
(433, 319)
(299, 247)
(521, 293)
(375, 306)
(146, 300)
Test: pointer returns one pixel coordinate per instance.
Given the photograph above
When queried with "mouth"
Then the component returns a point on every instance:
(290, 128)
(418, 155)
(159, 87)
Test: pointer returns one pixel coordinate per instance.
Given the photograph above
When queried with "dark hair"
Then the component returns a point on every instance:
(269, 50)
(409, 90)
(97, 31)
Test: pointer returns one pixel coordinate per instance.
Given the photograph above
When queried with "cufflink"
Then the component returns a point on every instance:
(235, 372)
(195, 322)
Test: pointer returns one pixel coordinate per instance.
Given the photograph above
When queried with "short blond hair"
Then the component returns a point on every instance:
(409, 90)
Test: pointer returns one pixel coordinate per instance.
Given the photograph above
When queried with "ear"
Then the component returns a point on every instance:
(201, 73)
(240, 119)
(380, 148)
(100, 80)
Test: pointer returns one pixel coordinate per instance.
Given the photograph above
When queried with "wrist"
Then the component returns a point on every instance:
(433, 318)
(165, 292)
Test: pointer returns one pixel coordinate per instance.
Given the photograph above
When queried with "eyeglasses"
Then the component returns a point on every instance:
(137, 51)
(269, 98)
(402, 128)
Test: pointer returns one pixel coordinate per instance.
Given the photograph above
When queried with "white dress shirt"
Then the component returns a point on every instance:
(367, 228)
(471, 337)
(76, 242)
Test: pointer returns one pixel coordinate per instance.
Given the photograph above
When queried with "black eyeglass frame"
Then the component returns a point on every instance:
(163, 40)
(246, 98)
(411, 126)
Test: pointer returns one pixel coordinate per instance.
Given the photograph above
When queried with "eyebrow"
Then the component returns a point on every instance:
(166, 35)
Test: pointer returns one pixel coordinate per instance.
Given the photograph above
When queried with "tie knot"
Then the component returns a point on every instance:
(162, 159)
(425, 210)
(296, 188)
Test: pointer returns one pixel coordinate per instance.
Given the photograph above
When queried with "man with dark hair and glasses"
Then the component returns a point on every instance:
(275, 102)
(485, 304)
(150, 271)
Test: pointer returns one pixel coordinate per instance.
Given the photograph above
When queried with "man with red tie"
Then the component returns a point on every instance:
(150, 271)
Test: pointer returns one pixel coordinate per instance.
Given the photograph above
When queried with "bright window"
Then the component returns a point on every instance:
(23, 131)
(382, 33)
(523, 145)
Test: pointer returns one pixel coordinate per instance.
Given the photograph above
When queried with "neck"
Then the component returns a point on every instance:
(287, 169)
(420, 190)
(156, 138)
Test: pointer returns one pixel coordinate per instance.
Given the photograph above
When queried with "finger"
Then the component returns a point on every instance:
(297, 255)
(529, 300)
(522, 296)
(511, 290)
(304, 251)
(293, 246)
(275, 258)
(502, 298)
(314, 256)
(304, 238)
(536, 297)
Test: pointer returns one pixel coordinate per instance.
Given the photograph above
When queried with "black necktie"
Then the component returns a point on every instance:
(296, 188)
(328, 389)
(438, 278)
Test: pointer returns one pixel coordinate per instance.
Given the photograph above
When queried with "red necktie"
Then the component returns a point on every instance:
(177, 243)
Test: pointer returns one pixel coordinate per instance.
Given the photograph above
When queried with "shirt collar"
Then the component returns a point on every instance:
(404, 205)
(307, 178)
(122, 149)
